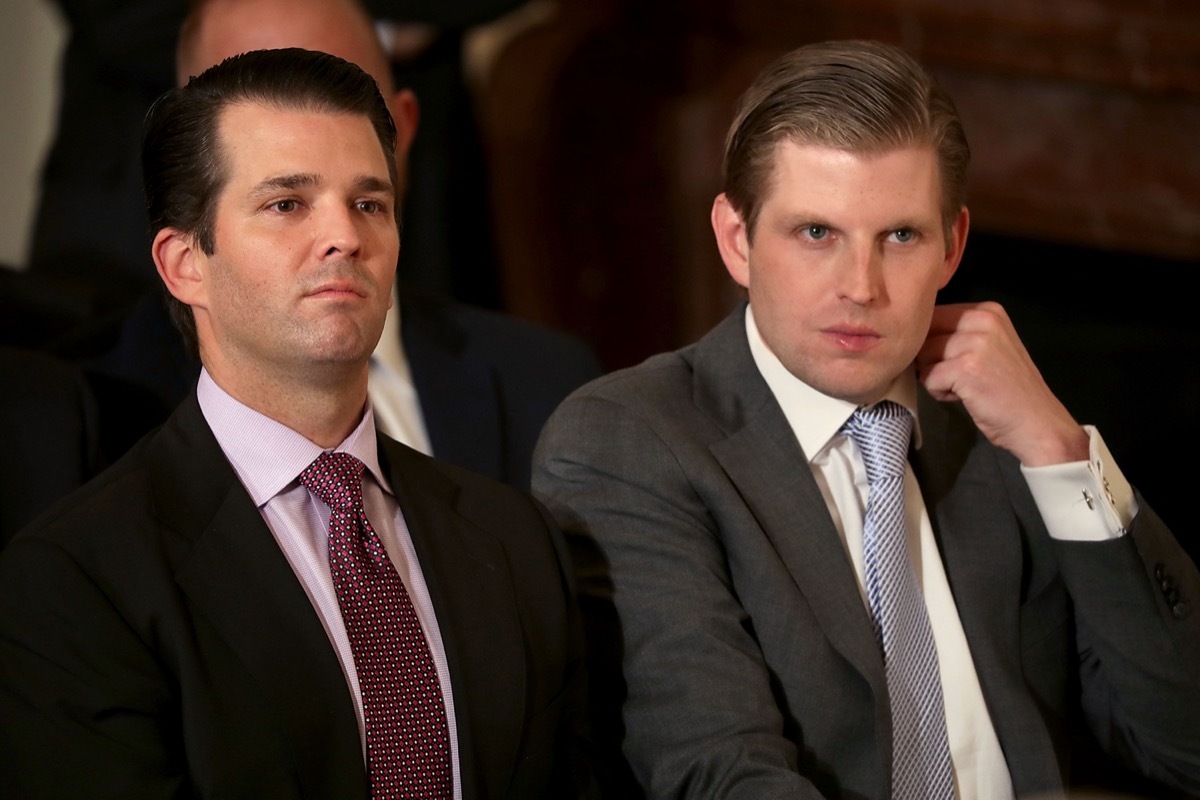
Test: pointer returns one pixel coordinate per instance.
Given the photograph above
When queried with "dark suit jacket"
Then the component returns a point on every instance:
(486, 381)
(732, 653)
(154, 641)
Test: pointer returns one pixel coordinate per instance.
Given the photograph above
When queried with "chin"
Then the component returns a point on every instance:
(343, 343)
(845, 381)
(344, 356)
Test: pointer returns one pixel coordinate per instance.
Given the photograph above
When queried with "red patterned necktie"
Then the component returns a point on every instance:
(408, 741)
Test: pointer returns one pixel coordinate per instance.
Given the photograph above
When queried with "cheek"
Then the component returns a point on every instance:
(919, 318)
(243, 278)
(777, 278)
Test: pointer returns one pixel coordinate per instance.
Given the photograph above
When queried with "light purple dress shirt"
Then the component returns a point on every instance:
(268, 457)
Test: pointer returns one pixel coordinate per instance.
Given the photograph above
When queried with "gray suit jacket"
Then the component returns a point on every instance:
(733, 655)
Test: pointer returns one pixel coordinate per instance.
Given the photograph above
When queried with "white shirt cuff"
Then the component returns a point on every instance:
(1083, 501)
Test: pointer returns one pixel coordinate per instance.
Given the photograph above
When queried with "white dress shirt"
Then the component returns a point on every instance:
(267, 457)
(391, 389)
(1075, 500)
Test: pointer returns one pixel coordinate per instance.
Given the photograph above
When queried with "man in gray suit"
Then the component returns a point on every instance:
(772, 615)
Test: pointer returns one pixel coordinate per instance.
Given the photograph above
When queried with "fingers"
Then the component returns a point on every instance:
(937, 377)
(972, 335)
(970, 317)
(973, 354)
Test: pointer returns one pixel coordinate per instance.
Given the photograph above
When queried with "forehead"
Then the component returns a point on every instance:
(257, 138)
(828, 178)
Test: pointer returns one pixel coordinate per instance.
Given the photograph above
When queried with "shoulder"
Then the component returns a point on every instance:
(116, 497)
(667, 397)
(100, 547)
(633, 434)
(711, 381)
(661, 379)
(175, 476)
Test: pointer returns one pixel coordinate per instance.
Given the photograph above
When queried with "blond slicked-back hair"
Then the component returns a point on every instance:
(857, 96)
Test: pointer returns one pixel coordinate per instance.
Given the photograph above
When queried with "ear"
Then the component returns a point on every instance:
(180, 262)
(955, 246)
(732, 239)
(406, 112)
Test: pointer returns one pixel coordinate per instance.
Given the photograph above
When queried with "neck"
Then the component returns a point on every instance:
(323, 405)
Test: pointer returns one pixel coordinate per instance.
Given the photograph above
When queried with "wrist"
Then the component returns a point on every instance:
(1069, 444)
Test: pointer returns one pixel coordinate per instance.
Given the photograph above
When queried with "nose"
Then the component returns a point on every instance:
(860, 277)
(338, 232)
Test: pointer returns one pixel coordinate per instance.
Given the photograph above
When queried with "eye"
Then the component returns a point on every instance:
(904, 235)
(372, 206)
(285, 206)
(814, 231)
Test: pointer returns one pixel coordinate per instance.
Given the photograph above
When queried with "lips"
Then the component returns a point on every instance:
(852, 338)
(344, 288)
(339, 290)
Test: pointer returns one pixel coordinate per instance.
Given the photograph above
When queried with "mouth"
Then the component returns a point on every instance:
(338, 290)
(852, 338)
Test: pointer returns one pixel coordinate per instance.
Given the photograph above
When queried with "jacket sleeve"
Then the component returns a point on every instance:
(1137, 610)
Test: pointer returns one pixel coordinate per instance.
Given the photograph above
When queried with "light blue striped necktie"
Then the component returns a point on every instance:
(920, 751)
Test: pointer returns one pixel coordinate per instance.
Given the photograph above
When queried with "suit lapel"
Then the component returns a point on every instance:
(972, 521)
(765, 462)
(464, 424)
(772, 476)
(466, 571)
(242, 585)
(977, 534)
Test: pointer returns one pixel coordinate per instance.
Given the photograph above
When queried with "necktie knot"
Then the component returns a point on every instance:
(882, 433)
(336, 479)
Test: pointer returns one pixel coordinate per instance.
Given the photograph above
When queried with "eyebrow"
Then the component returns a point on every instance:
(305, 180)
(369, 183)
(297, 180)
(800, 220)
(791, 222)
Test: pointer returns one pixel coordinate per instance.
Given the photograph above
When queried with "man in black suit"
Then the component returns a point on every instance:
(849, 544)
(466, 385)
(193, 622)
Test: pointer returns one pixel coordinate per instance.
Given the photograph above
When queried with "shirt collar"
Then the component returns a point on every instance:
(389, 351)
(814, 417)
(267, 455)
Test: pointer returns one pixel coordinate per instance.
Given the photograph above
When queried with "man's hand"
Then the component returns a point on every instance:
(973, 354)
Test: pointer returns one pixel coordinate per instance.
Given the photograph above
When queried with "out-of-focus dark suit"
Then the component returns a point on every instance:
(487, 382)
(732, 652)
(48, 437)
